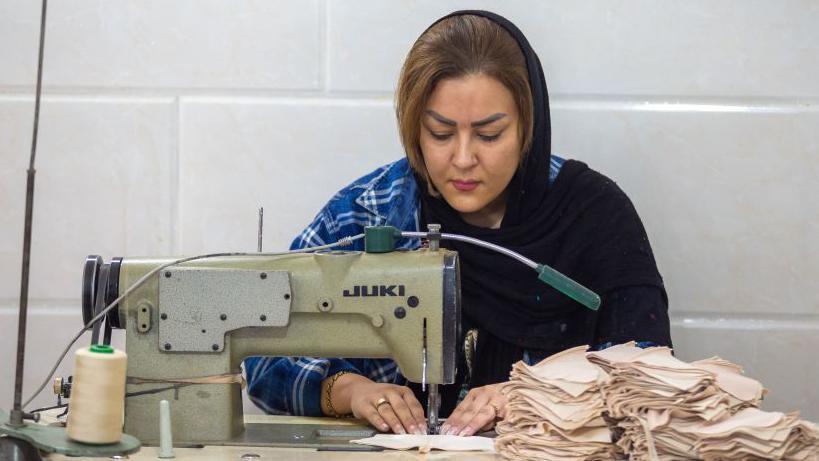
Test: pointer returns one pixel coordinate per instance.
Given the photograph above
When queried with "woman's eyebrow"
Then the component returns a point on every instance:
(479, 123)
(488, 120)
(440, 118)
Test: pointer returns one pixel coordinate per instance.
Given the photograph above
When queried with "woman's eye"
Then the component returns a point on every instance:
(489, 137)
(440, 136)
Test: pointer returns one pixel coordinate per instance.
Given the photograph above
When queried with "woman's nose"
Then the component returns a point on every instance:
(464, 156)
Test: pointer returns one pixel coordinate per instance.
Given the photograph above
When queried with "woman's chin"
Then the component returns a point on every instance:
(462, 206)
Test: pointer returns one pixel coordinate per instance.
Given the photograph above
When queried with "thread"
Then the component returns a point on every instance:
(97, 408)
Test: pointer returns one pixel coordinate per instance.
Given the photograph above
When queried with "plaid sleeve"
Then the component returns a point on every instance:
(321, 231)
(292, 385)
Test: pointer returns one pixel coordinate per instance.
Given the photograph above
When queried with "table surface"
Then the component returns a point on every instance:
(225, 453)
(216, 453)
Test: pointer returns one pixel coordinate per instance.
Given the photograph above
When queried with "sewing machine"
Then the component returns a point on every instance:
(199, 320)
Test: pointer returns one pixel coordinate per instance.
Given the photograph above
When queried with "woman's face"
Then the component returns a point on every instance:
(470, 141)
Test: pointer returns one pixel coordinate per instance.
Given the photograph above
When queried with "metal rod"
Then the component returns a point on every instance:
(434, 236)
(16, 416)
(424, 357)
(480, 243)
(433, 404)
(546, 274)
(261, 225)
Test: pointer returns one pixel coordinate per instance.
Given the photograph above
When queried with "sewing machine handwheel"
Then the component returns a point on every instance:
(91, 271)
(112, 292)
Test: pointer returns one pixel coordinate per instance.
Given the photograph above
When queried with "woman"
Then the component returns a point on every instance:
(473, 114)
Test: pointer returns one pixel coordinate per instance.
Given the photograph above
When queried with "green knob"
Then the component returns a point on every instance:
(380, 239)
(568, 287)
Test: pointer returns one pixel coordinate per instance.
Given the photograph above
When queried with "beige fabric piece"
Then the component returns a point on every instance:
(669, 409)
(618, 353)
(645, 379)
(426, 443)
(750, 434)
(730, 379)
(539, 447)
(555, 411)
(660, 408)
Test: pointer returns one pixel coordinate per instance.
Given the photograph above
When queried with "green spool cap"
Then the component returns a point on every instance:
(102, 349)
(380, 239)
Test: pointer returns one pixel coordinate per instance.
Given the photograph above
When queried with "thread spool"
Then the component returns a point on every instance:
(97, 408)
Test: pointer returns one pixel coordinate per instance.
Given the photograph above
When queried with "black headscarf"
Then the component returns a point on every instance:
(583, 225)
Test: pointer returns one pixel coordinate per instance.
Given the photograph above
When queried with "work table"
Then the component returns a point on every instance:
(237, 453)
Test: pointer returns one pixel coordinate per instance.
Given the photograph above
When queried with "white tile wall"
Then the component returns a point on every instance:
(778, 352)
(49, 330)
(238, 155)
(729, 198)
(599, 47)
(159, 44)
(103, 186)
(166, 124)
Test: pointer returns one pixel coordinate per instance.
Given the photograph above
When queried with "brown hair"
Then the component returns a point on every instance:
(456, 47)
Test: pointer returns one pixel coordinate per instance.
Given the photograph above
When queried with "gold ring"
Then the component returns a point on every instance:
(494, 407)
(497, 411)
(381, 401)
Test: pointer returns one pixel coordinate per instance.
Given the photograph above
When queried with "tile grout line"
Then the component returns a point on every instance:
(560, 101)
(9, 306)
(746, 324)
(174, 230)
(324, 45)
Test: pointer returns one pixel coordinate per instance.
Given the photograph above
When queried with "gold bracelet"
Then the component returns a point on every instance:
(329, 397)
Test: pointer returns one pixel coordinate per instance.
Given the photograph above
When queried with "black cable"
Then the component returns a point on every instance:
(157, 390)
(130, 394)
(62, 405)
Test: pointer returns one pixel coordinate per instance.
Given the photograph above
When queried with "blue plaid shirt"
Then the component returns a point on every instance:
(387, 196)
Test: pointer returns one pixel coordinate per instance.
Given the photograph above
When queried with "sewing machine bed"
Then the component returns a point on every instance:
(314, 432)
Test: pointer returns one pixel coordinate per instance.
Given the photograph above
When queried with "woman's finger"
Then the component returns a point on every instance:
(372, 416)
(478, 414)
(416, 409)
(385, 411)
(403, 412)
(480, 418)
(499, 403)
(460, 415)
(460, 419)
(488, 426)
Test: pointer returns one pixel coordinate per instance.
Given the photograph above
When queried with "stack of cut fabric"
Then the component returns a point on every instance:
(749, 434)
(644, 379)
(661, 367)
(669, 409)
(555, 411)
(742, 391)
(753, 433)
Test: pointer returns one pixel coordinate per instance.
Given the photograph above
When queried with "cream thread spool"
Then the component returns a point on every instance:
(97, 407)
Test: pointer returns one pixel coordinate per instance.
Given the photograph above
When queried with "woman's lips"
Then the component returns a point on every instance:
(465, 185)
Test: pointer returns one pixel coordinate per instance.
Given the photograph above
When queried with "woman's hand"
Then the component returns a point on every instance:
(477, 412)
(399, 410)
(385, 406)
